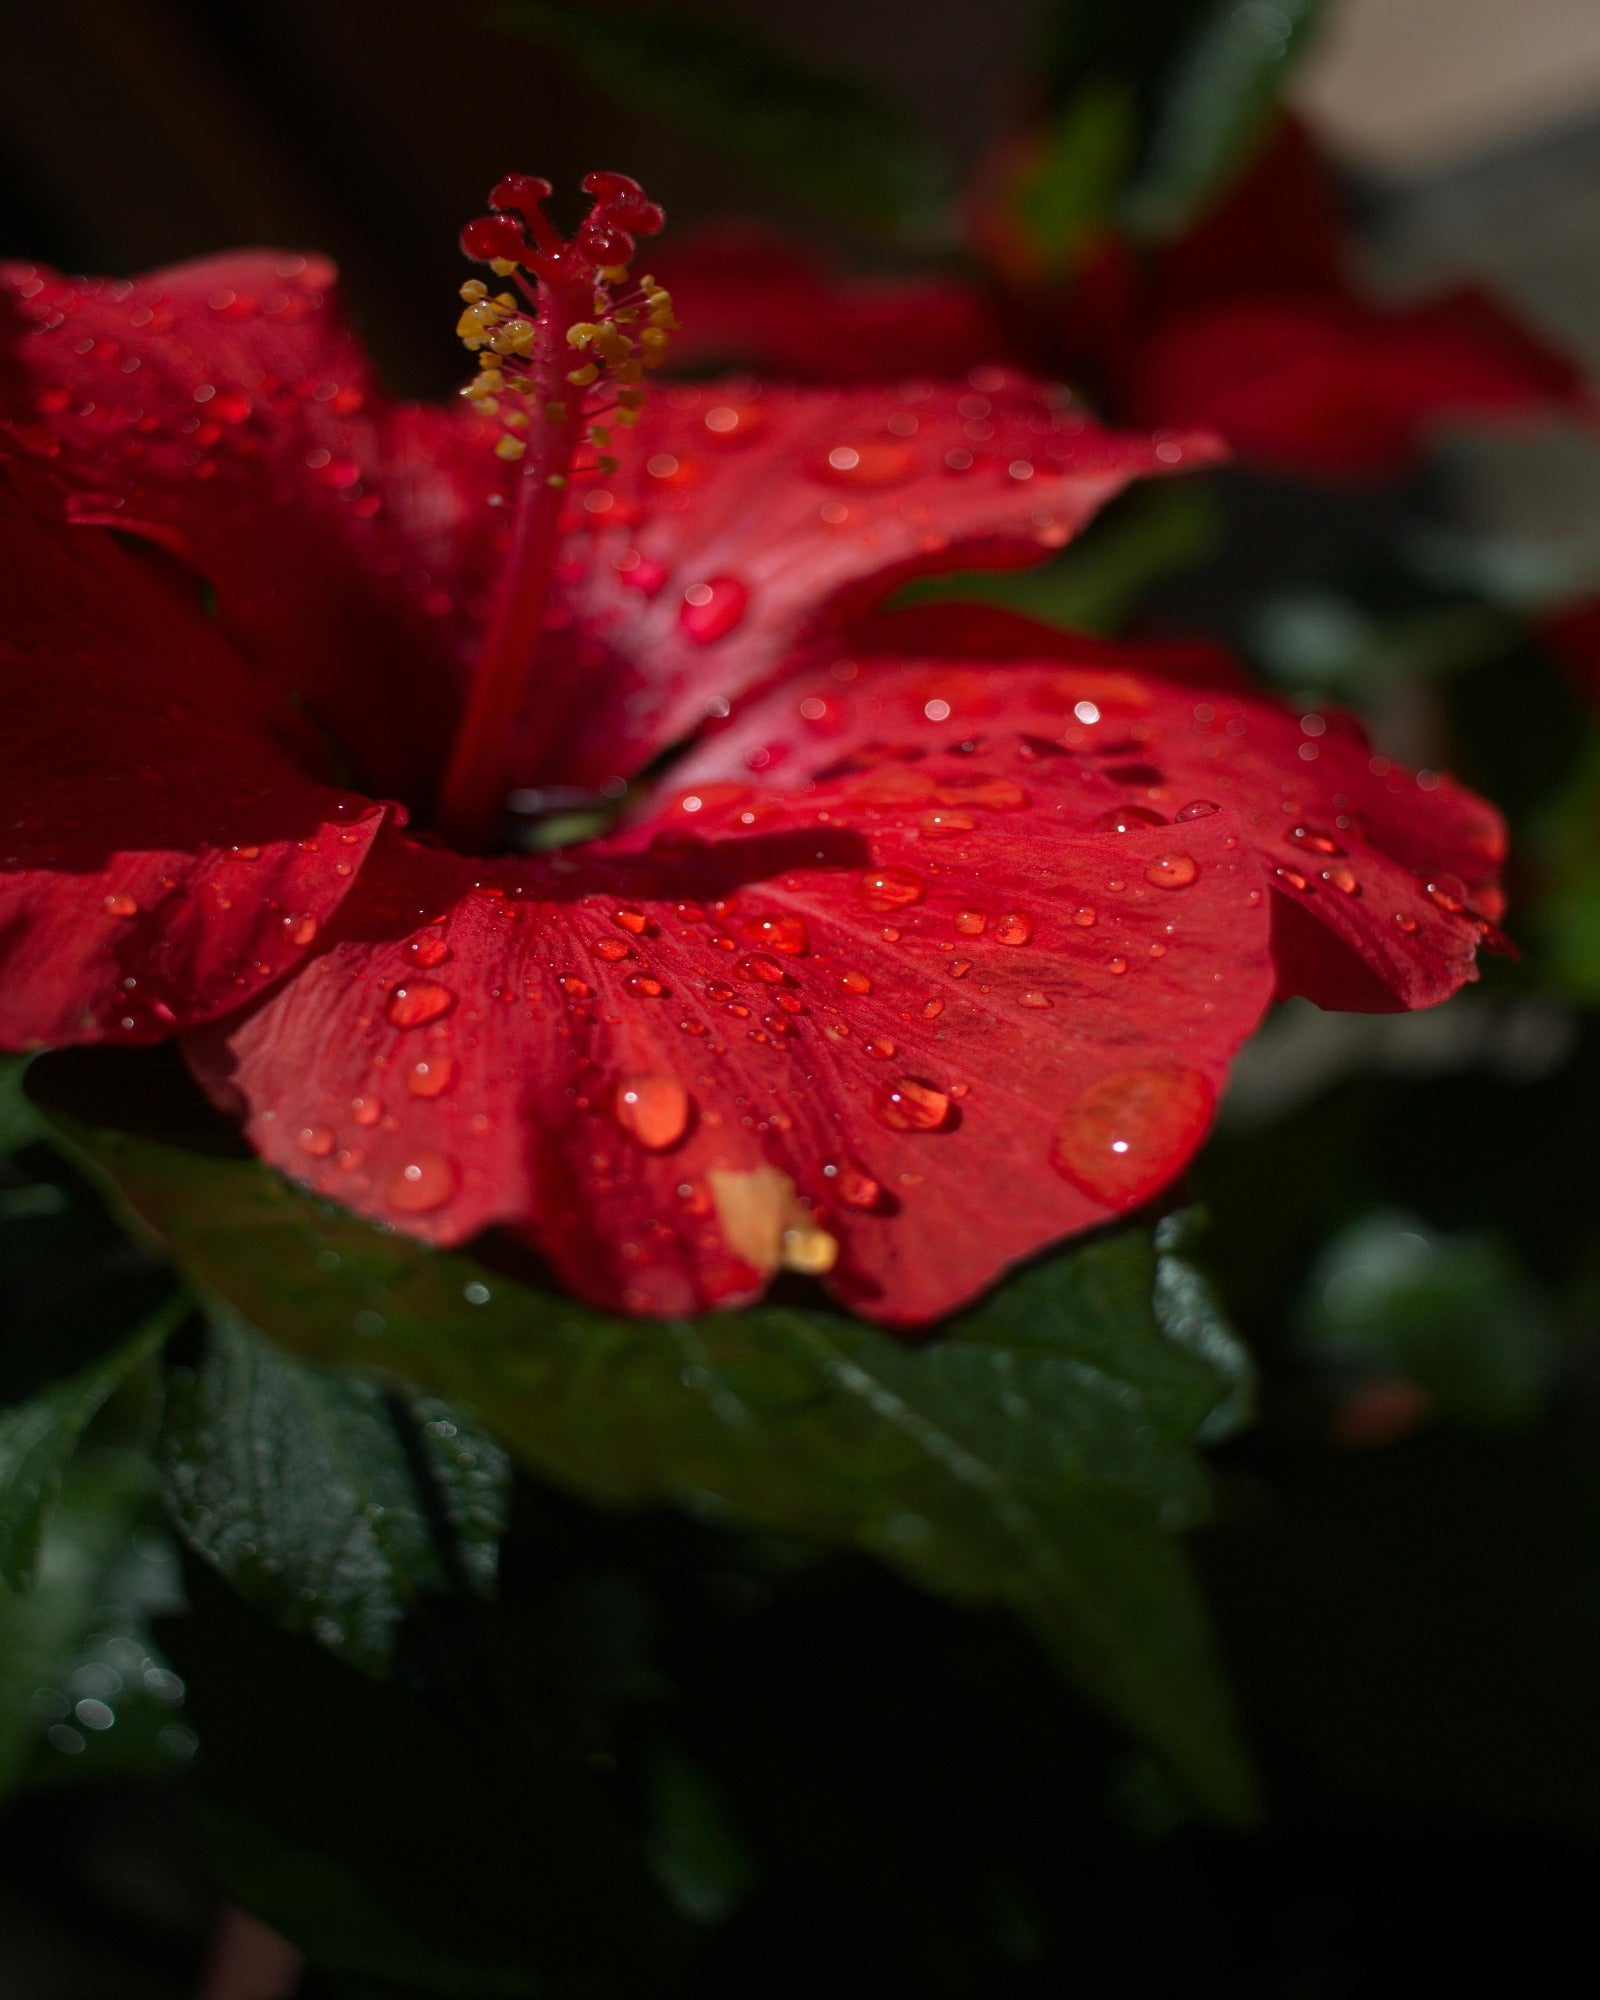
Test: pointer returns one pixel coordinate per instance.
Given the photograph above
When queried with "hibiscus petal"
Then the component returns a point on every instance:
(834, 1033)
(742, 517)
(1340, 388)
(165, 857)
(223, 409)
(748, 297)
(1373, 868)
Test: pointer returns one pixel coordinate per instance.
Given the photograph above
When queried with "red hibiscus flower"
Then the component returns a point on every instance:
(1249, 324)
(932, 946)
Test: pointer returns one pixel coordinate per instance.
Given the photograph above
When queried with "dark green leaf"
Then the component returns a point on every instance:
(1214, 106)
(19, 1122)
(1036, 1454)
(1070, 190)
(699, 1857)
(811, 134)
(39, 1435)
(323, 1497)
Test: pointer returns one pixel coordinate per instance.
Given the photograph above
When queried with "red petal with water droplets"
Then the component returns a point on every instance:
(751, 298)
(223, 409)
(804, 1058)
(165, 856)
(1349, 842)
(811, 505)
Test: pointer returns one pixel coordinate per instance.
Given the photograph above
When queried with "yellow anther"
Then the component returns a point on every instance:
(581, 333)
(489, 362)
(607, 463)
(654, 337)
(580, 378)
(555, 479)
(598, 434)
(630, 401)
(510, 447)
(627, 419)
(473, 290)
(502, 267)
(613, 273)
(556, 412)
(482, 390)
(507, 301)
(628, 372)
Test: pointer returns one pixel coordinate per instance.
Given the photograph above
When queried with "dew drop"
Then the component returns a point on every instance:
(1130, 1132)
(652, 1110)
(430, 1076)
(1033, 998)
(366, 1110)
(611, 950)
(1408, 924)
(960, 967)
(1172, 871)
(1449, 892)
(1314, 838)
(1127, 819)
(300, 929)
(972, 923)
(1197, 809)
(317, 1140)
(644, 986)
(121, 904)
(1013, 928)
(711, 610)
(631, 920)
(868, 462)
(417, 1002)
(881, 1047)
(891, 889)
(1118, 964)
(574, 987)
(1293, 878)
(855, 982)
(1343, 879)
(940, 825)
(783, 933)
(427, 950)
(1086, 916)
(856, 1187)
(911, 1105)
(425, 1181)
(932, 1009)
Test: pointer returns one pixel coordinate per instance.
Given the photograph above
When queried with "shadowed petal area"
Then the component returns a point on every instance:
(742, 518)
(1374, 870)
(749, 297)
(224, 410)
(829, 1033)
(164, 856)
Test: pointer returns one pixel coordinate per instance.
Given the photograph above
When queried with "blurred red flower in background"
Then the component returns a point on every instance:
(1248, 323)
(931, 945)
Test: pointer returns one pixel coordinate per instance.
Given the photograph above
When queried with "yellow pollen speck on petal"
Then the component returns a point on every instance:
(510, 447)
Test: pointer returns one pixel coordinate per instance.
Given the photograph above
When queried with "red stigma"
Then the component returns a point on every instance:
(620, 211)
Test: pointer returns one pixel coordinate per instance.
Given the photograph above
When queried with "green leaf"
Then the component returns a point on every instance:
(324, 1498)
(1071, 189)
(813, 135)
(39, 1435)
(19, 1122)
(1037, 1455)
(1214, 106)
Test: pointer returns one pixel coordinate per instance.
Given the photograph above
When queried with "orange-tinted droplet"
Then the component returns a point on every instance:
(428, 949)
(631, 920)
(1197, 809)
(783, 933)
(857, 1188)
(960, 967)
(932, 1009)
(972, 923)
(891, 889)
(1172, 871)
(645, 986)
(711, 610)
(317, 1140)
(1033, 998)
(612, 950)
(855, 982)
(1449, 892)
(430, 1076)
(881, 1047)
(1343, 879)
(366, 1110)
(942, 824)
(1407, 923)
(652, 1110)
(121, 904)
(1128, 819)
(867, 462)
(301, 928)
(1314, 838)
(1130, 1133)
(1086, 916)
(425, 1181)
(911, 1105)
(1013, 928)
(1292, 879)
(417, 1002)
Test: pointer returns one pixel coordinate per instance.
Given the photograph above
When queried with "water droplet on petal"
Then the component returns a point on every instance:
(652, 1110)
(121, 904)
(1129, 1133)
(1172, 871)
(631, 920)
(1293, 879)
(932, 1009)
(939, 825)
(1086, 916)
(855, 982)
(783, 933)
(1197, 809)
(911, 1105)
(881, 1047)
(856, 1187)
(1013, 928)
(972, 923)
(1033, 998)
(1127, 819)
(417, 1002)
(425, 1181)
(891, 889)
(317, 1140)
(1343, 879)
(1314, 838)
(428, 949)
(430, 1076)
(868, 462)
(611, 950)
(300, 929)
(960, 967)
(1408, 924)
(1449, 892)
(711, 610)
(366, 1110)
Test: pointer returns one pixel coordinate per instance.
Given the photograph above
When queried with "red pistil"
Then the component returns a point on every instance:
(546, 371)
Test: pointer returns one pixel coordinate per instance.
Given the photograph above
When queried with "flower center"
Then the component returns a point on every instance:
(560, 360)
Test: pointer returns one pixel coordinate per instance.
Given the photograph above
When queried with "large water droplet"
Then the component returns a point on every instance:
(1172, 871)
(425, 1181)
(652, 1110)
(783, 933)
(427, 950)
(911, 1105)
(121, 904)
(855, 982)
(1197, 809)
(417, 1002)
(868, 462)
(1130, 1133)
(430, 1076)
(1013, 928)
(301, 928)
(891, 889)
(972, 923)
(711, 610)
(317, 1140)
(1449, 892)
(1343, 879)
